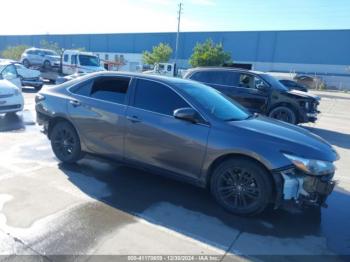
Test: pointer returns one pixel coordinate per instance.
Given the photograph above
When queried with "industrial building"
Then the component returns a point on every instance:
(325, 53)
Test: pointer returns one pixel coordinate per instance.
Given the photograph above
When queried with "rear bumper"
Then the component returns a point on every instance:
(302, 189)
(43, 120)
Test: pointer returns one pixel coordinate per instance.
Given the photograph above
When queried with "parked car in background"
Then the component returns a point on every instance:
(9, 72)
(29, 77)
(188, 130)
(293, 85)
(11, 98)
(40, 57)
(259, 92)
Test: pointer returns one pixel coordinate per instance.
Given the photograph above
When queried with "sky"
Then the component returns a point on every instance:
(124, 16)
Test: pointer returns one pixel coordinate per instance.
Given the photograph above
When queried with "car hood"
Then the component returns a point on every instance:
(7, 88)
(303, 94)
(287, 138)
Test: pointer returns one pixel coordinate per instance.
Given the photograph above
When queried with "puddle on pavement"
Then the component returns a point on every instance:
(138, 193)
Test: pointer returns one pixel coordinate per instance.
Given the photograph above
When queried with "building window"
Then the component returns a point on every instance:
(106, 56)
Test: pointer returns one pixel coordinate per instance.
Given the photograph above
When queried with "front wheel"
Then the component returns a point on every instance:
(284, 114)
(65, 143)
(241, 186)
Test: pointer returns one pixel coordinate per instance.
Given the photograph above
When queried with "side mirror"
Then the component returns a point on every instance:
(187, 114)
(262, 87)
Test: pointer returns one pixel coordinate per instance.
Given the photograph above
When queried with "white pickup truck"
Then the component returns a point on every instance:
(165, 69)
(74, 62)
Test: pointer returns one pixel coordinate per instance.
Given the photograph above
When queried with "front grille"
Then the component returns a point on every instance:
(10, 107)
(6, 96)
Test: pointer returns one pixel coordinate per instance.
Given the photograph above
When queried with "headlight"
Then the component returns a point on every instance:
(307, 105)
(312, 166)
(17, 92)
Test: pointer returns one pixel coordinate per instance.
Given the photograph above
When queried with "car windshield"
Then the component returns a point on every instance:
(273, 82)
(89, 60)
(216, 103)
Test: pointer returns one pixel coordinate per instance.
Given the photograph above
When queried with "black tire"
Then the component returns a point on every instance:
(38, 88)
(47, 65)
(65, 142)
(26, 63)
(241, 186)
(284, 114)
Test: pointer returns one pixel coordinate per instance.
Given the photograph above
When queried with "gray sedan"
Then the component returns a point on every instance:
(187, 130)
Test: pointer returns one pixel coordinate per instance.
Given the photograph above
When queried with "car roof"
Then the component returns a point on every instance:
(163, 79)
(198, 69)
(41, 49)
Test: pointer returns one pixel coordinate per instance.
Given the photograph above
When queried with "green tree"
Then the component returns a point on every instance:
(160, 54)
(14, 52)
(209, 54)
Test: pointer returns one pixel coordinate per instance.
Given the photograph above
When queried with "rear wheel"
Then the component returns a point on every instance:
(47, 65)
(65, 142)
(241, 186)
(284, 114)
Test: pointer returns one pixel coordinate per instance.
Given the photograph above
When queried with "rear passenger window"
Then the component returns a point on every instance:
(110, 89)
(156, 97)
(83, 89)
(74, 60)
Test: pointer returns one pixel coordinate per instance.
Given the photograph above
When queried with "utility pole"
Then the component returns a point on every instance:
(178, 32)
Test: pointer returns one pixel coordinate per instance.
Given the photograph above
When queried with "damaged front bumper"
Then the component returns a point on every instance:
(302, 189)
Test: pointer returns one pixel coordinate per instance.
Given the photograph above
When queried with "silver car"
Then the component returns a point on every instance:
(40, 57)
(187, 130)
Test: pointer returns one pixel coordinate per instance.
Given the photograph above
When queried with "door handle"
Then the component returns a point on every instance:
(75, 103)
(133, 119)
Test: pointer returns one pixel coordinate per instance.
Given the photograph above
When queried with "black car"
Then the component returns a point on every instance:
(260, 93)
(292, 85)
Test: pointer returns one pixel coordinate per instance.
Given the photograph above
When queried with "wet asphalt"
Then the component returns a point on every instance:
(101, 207)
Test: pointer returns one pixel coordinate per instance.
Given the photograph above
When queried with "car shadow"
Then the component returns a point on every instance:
(29, 90)
(11, 122)
(189, 210)
(334, 138)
